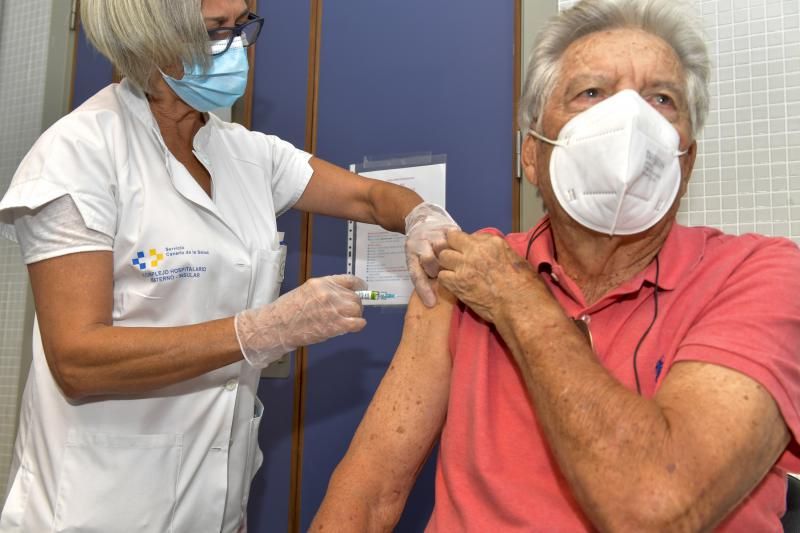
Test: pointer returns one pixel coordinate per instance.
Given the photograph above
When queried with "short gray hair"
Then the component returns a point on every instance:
(667, 19)
(141, 36)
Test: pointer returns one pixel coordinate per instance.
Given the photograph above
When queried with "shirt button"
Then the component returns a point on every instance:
(231, 384)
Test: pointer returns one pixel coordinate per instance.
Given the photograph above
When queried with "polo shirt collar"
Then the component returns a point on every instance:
(681, 251)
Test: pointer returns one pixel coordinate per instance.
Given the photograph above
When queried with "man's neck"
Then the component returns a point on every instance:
(598, 264)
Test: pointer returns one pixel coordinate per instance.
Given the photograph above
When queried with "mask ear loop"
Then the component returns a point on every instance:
(541, 137)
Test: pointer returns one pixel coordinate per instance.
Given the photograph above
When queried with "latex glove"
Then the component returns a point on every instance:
(319, 309)
(426, 235)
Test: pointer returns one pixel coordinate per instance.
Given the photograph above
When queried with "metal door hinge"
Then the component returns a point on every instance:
(73, 16)
(518, 157)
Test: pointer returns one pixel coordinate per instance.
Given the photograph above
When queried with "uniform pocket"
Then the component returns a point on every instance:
(124, 483)
(254, 455)
(268, 277)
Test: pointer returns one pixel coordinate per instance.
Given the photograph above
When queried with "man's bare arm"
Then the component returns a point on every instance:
(369, 487)
(680, 461)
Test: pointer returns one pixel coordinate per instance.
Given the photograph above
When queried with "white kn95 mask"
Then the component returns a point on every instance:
(615, 167)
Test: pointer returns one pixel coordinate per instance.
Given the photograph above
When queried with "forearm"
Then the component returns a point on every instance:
(354, 503)
(389, 205)
(336, 192)
(601, 434)
(368, 490)
(614, 447)
(680, 461)
(105, 359)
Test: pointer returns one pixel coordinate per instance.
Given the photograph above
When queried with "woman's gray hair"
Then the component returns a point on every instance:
(668, 19)
(141, 36)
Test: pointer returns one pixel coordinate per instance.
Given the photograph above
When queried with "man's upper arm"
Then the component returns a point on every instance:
(726, 432)
(730, 397)
(408, 409)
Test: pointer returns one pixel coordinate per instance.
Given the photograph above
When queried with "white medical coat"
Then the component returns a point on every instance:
(180, 458)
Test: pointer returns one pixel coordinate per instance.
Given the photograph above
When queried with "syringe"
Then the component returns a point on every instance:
(375, 295)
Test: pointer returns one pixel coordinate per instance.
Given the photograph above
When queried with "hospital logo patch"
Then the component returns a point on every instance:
(142, 261)
(171, 263)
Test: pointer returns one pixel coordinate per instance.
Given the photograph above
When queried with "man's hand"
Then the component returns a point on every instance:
(484, 272)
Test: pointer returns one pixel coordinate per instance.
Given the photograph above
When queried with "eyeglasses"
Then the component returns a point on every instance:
(582, 323)
(221, 38)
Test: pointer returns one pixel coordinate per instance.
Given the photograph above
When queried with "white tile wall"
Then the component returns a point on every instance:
(747, 174)
(22, 76)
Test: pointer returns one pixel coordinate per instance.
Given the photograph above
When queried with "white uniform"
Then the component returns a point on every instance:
(181, 458)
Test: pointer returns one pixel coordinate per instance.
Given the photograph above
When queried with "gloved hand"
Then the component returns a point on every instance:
(319, 309)
(426, 235)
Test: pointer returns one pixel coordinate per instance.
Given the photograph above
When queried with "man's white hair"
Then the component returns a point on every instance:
(671, 20)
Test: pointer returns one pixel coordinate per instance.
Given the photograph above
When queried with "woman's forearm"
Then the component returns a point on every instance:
(336, 192)
(106, 359)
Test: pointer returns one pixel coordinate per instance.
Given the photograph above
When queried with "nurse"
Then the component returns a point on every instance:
(148, 227)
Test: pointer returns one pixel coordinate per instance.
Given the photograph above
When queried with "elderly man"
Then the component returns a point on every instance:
(609, 369)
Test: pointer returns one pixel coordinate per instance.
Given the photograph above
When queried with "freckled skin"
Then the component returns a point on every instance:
(611, 445)
(627, 59)
(405, 416)
(679, 461)
(609, 62)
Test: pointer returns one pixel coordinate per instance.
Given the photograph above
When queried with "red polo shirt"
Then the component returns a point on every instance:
(727, 300)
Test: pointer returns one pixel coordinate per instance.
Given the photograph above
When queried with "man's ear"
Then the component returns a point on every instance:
(687, 164)
(529, 149)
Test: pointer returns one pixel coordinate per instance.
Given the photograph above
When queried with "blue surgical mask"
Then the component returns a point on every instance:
(220, 86)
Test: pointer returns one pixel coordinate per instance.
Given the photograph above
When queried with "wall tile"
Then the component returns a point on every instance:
(21, 107)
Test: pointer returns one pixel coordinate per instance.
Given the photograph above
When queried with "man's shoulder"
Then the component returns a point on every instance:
(515, 240)
(746, 248)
